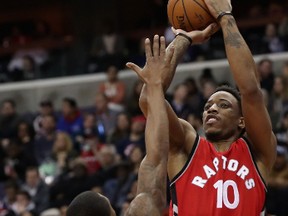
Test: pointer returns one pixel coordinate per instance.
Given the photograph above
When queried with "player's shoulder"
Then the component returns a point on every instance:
(190, 134)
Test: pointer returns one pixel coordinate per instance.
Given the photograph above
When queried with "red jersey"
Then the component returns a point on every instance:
(218, 183)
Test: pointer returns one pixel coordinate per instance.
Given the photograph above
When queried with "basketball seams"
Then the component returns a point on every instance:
(185, 13)
(200, 5)
(173, 9)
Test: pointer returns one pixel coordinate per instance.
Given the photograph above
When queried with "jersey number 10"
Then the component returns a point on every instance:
(222, 194)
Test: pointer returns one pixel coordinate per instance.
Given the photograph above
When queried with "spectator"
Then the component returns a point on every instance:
(37, 189)
(11, 189)
(265, 69)
(271, 40)
(135, 157)
(133, 106)
(62, 151)
(23, 204)
(281, 132)
(71, 120)
(45, 108)
(25, 137)
(136, 137)
(69, 186)
(9, 119)
(278, 99)
(106, 48)
(278, 184)
(206, 75)
(116, 189)
(105, 117)
(179, 101)
(108, 158)
(195, 119)
(208, 88)
(122, 129)
(27, 71)
(113, 89)
(16, 161)
(44, 140)
(195, 98)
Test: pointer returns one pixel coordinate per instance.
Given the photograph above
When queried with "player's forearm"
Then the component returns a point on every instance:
(239, 56)
(157, 122)
(180, 44)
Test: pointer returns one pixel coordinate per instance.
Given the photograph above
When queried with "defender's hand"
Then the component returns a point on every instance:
(158, 61)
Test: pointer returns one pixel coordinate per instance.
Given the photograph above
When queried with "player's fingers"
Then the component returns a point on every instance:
(210, 30)
(162, 46)
(170, 53)
(156, 46)
(148, 51)
(134, 67)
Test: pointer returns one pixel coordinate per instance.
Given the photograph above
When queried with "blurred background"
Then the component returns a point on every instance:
(69, 117)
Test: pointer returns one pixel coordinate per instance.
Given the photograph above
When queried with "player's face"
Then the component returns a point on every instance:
(221, 116)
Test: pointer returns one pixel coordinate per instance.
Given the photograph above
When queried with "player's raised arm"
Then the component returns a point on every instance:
(152, 177)
(180, 43)
(257, 121)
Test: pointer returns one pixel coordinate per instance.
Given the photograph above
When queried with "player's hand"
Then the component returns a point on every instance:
(197, 36)
(158, 61)
(217, 6)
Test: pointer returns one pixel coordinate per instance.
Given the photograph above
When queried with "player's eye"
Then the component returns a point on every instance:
(207, 106)
(223, 105)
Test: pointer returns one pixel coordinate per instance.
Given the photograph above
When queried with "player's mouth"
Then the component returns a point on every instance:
(210, 119)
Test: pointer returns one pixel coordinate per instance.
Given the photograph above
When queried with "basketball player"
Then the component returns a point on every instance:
(223, 174)
(152, 176)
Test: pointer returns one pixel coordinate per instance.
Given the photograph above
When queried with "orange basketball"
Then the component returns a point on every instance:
(189, 14)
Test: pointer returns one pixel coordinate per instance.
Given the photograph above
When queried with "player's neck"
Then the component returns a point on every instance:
(222, 147)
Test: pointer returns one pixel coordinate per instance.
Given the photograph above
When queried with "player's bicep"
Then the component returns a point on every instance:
(258, 128)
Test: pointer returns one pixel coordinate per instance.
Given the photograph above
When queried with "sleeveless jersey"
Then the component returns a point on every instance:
(218, 183)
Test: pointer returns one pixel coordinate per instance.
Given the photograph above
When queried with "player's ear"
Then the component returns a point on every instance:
(241, 123)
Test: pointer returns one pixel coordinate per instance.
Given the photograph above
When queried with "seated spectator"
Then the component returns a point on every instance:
(265, 69)
(135, 156)
(122, 129)
(71, 120)
(16, 161)
(113, 89)
(108, 158)
(206, 75)
(27, 71)
(208, 89)
(116, 189)
(281, 132)
(195, 119)
(37, 189)
(105, 117)
(133, 101)
(11, 189)
(44, 140)
(45, 108)
(62, 152)
(25, 137)
(136, 137)
(106, 48)
(65, 190)
(271, 40)
(277, 101)
(195, 98)
(9, 119)
(23, 204)
(278, 184)
(179, 101)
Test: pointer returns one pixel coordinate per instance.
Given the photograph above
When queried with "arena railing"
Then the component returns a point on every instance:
(28, 94)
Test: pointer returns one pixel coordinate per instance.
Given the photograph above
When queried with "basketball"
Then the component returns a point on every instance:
(189, 14)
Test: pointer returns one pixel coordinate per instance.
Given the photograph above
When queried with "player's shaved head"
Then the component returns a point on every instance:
(89, 204)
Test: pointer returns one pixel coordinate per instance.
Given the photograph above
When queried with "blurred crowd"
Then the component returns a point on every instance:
(48, 157)
(111, 45)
